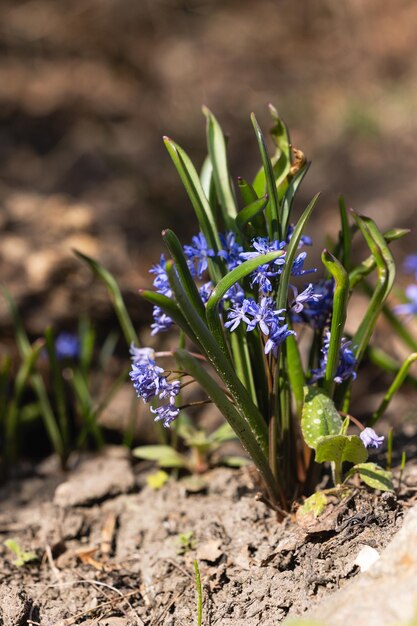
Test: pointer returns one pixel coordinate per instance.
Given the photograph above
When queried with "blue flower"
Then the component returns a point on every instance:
(150, 381)
(277, 336)
(370, 438)
(161, 281)
(67, 346)
(205, 291)
(346, 365)
(238, 314)
(297, 266)
(198, 254)
(231, 250)
(302, 299)
(162, 322)
(264, 315)
(262, 275)
(140, 355)
(167, 413)
(409, 308)
(410, 265)
(317, 313)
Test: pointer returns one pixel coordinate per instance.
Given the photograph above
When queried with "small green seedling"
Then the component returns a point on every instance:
(186, 542)
(199, 593)
(22, 557)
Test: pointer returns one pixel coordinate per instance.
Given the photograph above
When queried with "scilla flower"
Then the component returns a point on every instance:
(371, 439)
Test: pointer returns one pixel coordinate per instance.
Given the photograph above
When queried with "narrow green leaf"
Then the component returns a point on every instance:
(319, 417)
(247, 192)
(281, 137)
(340, 301)
(115, 296)
(202, 208)
(340, 449)
(367, 266)
(237, 274)
(240, 425)
(289, 195)
(291, 252)
(246, 215)
(217, 151)
(165, 456)
(219, 360)
(272, 210)
(295, 372)
(386, 275)
(175, 248)
(345, 234)
(373, 476)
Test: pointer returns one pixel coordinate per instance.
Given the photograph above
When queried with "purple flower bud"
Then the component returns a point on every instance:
(370, 438)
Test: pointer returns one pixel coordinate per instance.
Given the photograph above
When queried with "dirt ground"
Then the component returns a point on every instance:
(109, 550)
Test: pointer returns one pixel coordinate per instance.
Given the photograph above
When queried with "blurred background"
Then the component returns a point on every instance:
(88, 88)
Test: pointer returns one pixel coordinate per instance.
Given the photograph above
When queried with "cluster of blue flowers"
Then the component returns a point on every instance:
(150, 381)
(346, 365)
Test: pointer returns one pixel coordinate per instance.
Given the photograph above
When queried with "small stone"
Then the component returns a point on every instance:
(209, 551)
(366, 558)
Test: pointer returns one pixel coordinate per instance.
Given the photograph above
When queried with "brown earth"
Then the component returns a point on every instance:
(109, 548)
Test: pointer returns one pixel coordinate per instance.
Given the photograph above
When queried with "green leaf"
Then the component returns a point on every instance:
(314, 504)
(234, 461)
(171, 309)
(165, 456)
(386, 274)
(247, 214)
(237, 274)
(174, 246)
(340, 302)
(250, 433)
(340, 449)
(217, 151)
(319, 416)
(272, 210)
(374, 476)
(202, 208)
(224, 433)
(115, 296)
(289, 195)
(291, 252)
(157, 480)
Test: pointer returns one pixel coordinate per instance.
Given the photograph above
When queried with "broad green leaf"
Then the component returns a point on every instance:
(234, 461)
(157, 480)
(314, 504)
(165, 456)
(319, 417)
(340, 448)
(374, 476)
